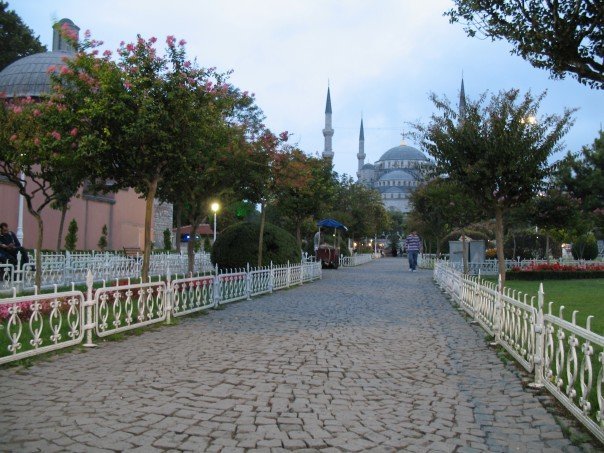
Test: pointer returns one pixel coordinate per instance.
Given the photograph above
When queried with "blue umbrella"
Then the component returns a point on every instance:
(331, 223)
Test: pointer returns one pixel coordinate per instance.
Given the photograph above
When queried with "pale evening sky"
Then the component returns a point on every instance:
(382, 59)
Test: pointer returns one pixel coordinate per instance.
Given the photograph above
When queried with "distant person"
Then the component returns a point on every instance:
(10, 246)
(413, 244)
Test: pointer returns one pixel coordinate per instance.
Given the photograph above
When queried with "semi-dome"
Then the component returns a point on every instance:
(368, 167)
(403, 152)
(397, 175)
(29, 76)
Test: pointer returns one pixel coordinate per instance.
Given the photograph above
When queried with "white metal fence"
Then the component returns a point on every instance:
(491, 267)
(565, 358)
(356, 260)
(63, 269)
(36, 324)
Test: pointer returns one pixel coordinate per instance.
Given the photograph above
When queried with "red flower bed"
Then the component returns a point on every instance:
(547, 271)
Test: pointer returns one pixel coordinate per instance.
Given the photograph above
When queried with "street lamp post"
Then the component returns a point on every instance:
(215, 206)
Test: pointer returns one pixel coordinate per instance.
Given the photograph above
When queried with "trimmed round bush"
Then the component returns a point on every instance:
(585, 248)
(237, 246)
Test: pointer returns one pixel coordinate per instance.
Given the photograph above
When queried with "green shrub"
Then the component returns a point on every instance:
(530, 245)
(237, 246)
(585, 247)
(72, 236)
(102, 244)
(167, 239)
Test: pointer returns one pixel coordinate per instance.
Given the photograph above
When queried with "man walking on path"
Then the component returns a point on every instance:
(413, 244)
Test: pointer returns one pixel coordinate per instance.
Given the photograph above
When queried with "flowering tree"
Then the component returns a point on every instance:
(40, 154)
(497, 152)
(142, 114)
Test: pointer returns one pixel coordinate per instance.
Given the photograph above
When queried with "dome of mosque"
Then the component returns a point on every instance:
(368, 167)
(403, 152)
(397, 175)
(29, 76)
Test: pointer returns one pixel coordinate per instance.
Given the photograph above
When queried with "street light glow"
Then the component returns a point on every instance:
(215, 207)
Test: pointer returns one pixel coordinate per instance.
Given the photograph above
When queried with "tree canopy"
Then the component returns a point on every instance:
(564, 36)
(17, 40)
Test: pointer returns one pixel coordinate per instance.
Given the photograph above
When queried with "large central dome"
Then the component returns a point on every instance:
(403, 152)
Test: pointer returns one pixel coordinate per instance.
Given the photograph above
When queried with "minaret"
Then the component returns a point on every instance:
(462, 100)
(328, 131)
(361, 154)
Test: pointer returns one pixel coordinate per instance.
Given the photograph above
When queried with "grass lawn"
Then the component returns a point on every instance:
(584, 295)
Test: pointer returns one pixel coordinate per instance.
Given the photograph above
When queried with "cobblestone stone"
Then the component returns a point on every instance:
(367, 359)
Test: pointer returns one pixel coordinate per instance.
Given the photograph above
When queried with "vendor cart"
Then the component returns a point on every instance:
(326, 251)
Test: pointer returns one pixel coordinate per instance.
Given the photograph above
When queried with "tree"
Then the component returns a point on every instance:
(582, 176)
(17, 40)
(444, 205)
(496, 152)
(102, 244)
(71, 239)
(145, 112)
(563, 36)
(41, 155)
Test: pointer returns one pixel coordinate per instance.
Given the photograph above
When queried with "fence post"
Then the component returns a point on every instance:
(288, 275)
(271, 280)
(168, 306)
(89, 323)
(497, 313)
(248, 283)
(216, 287)
(539, 357)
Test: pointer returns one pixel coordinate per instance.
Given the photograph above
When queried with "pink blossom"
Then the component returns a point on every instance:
(51, 68)
(187, 64)
(284, 136)
(87, 34)
(182, 42)
(153, 40)
(122, 43)
(95, 52)
(17, 109)
(170, 40)
(74, 132)
(36, 112)
(64, 70)
(245, 94)
(37, 141)
(127, 85)
(107, 53)
(13, 137)
(56, 135)
(130, 47)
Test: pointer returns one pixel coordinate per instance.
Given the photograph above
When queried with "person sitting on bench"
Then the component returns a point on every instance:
(10, 246)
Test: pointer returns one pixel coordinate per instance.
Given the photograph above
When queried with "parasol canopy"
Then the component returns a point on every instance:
(331, 223)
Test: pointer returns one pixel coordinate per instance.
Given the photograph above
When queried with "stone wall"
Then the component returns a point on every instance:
(162, 219)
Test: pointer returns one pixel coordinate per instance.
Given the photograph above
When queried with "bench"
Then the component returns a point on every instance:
(132, 252)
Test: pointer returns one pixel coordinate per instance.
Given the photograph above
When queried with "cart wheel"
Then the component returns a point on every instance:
(335, 265)
(323, 265)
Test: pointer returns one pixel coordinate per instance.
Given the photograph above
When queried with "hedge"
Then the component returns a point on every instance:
(553, 275)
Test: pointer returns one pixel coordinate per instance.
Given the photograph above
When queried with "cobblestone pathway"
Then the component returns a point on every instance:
(369, 358)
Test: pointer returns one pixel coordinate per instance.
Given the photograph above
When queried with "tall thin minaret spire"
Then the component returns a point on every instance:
(328, 131)
(462, 100)
(361, 154)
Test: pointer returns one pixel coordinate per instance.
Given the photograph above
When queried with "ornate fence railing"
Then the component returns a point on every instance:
(565, 358)
(36, 324)
(356, 260)
(64, 269)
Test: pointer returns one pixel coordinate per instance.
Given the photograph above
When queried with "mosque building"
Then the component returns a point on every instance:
(395, 175)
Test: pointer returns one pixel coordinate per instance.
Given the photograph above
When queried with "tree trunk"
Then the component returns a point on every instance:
(464, 251)
(298, 236)
(38, 278)
(178, 224)
(499, 240)
(61, 225)
(148, 218)
(261, 234)
(547, 246)
(514, 246)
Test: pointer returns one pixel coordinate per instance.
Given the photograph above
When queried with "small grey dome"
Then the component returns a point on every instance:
(29, 76)
(397, 175)
(368, 167)
(403, 152)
